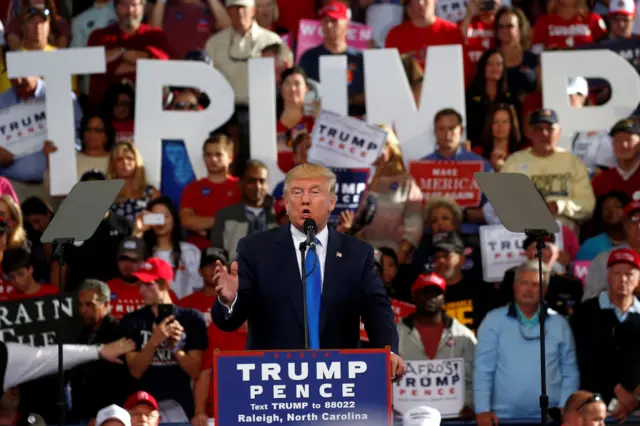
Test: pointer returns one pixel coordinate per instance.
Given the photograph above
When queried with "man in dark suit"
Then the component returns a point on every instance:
(264, 285)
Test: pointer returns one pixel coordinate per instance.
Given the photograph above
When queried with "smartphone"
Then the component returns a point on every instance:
(153, 219)
(164, 311)
(488, 5)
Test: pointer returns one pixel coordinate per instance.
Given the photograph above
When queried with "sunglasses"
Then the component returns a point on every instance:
(38, 11)
(596, 397)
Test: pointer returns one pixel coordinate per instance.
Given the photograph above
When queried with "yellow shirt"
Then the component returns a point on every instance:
(5, 84)
(50, 48)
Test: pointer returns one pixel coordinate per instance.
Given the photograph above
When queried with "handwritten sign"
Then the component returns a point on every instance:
(400, 310)
(437, 383)
(310, 35)
(350, 186)
(581, 269)
(303, 387)
(340, 141)
(501, 249)
(448, 179)
(23, 128)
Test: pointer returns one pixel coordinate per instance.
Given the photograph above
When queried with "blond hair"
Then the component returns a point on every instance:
(18, 235)
(396, 160)
(443, 202)
(310, 171)
(139, 180)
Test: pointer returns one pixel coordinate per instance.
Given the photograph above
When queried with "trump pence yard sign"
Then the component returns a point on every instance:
(303, 387)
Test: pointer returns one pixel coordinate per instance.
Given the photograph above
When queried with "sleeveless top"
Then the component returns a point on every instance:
(130, 208)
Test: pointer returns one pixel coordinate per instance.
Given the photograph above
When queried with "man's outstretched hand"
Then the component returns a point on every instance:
(114, 350)
(226, 282)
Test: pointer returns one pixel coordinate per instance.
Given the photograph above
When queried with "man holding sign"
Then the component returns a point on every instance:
(264, 284)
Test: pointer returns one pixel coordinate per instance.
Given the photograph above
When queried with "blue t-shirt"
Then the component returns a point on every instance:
(310, 63)
(165, 379)
(594, 246)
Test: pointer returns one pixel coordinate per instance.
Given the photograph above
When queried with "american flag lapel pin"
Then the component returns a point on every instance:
(338, 254)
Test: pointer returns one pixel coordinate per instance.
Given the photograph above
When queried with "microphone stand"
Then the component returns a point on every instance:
(303, 251)
(539, 235)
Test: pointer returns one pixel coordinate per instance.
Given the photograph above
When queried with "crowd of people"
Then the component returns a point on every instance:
(160, 248)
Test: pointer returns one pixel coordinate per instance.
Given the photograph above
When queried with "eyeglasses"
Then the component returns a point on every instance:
(596, 397)
(532, 333)
(185, 106)
(95, 129)
(506, 26)
(238, 58)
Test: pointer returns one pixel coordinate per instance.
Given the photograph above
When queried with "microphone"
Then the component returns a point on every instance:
(366, 217)
(310, 228)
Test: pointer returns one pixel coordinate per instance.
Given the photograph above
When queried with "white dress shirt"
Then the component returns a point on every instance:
(321, 249)
(299, 237)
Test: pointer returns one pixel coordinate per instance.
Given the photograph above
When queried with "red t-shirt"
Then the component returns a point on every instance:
(479, 39)
(611, 180)
(408, 38)
(125, 297)
(205, 198)
(221, 341)
(124, 130)
(189, 26)
(552, 31)
(430, 336)
(285, 137)
(147, 38)
(200, 302)
(292, 11)
(9, 292)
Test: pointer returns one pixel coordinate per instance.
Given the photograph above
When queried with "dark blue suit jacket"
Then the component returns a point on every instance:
(270, 295)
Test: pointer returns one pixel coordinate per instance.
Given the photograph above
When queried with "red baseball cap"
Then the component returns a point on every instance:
(428, 280)
(335, 10)
(631, 208)
(154, 269)
(624, 255)
(140, 398)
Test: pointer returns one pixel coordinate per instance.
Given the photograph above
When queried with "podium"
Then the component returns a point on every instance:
(294, 388)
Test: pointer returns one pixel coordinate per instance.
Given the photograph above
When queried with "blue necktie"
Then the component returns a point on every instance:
(314, 295)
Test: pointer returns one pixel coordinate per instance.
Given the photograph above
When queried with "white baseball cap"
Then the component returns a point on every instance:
(622, 7)
(578, 86)
(421, 416)
(245, 3)
(113, 412)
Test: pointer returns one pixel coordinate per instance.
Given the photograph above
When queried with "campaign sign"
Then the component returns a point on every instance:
(303, 387)
(448, 179)
(23, 128)
(341, 141)
(310, 35)
(350, 187)
(502, 249)
(400, 310)
(37, 321)
(437, 383)
(581, 269)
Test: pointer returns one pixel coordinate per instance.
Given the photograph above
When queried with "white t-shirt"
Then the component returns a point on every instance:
(594, 149)
(187, 276)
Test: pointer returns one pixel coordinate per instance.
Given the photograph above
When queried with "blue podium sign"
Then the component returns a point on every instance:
(335, 387)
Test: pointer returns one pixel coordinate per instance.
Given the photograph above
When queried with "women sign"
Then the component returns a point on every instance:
(310, 35)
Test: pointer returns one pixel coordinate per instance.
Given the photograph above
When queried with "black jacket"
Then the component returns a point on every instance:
(99, 383)
(608, 350)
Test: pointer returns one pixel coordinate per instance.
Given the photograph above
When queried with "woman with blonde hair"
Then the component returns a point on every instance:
(397, 222)
(567, 24)
(126, 163)
(16, 237)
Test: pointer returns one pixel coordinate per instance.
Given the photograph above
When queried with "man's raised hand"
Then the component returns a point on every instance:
(226, 282)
